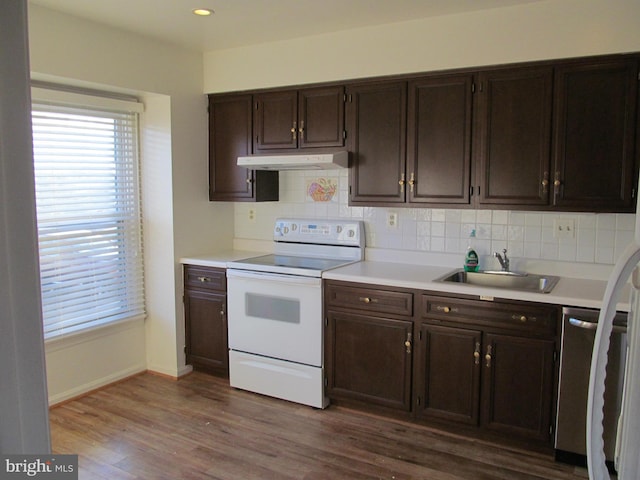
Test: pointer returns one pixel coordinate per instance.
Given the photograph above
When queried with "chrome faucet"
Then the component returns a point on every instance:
(503, 259)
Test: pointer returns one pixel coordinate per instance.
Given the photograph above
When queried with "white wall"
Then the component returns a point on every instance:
(178, 218)
(539, 30)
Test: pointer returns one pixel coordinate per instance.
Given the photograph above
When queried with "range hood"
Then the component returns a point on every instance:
(311, 161)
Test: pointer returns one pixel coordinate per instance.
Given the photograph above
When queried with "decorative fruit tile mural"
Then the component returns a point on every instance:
(322, 189)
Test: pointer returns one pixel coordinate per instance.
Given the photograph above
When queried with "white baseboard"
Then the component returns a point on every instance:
(170, 372)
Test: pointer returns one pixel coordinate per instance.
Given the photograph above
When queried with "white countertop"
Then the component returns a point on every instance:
(219, 259)
(576, 292)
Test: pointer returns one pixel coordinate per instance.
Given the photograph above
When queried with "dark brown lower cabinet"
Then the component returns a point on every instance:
(368, 360)
(449, 375)
(501, 383)
(205, 305)
(488, 364)
(517, 386)
(486, 368)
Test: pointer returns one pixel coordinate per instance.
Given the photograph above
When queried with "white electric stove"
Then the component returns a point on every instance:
(275, 308)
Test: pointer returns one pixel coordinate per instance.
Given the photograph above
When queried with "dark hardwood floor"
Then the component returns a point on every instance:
(150, 427)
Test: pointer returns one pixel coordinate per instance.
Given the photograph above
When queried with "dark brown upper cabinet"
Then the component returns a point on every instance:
(513, 136)
(229, 138)
(558, 135)
(376, 129)
(595, 128)
(306, 118)
(439, 140)
(321, 117)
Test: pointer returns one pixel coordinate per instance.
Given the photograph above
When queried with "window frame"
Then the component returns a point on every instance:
(122, 243)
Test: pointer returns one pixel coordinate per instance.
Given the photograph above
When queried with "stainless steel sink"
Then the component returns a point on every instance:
(528, 282)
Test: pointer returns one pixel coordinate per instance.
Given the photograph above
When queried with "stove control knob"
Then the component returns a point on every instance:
(351, 233)
(286, 230)
(339, 229)
(294, 227)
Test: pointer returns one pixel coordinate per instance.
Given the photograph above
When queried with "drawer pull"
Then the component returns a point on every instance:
(522, 318)
(204, 279)
(446, 309)
(368, 300)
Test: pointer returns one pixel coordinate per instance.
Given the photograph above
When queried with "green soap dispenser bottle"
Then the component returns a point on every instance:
(471, 263)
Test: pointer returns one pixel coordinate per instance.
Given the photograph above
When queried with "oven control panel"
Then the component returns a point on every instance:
(316, 231)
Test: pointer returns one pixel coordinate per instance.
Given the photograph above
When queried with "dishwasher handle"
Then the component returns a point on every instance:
(593, 325)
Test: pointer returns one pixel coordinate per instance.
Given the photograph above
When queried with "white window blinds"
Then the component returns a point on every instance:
(89, 225)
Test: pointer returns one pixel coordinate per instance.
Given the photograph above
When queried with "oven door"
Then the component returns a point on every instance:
(277, 316)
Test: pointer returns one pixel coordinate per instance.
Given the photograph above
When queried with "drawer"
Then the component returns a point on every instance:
(205, 278)
(526, 318)
(369, 299)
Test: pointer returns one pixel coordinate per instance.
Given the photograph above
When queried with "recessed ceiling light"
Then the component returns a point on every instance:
(203, 12)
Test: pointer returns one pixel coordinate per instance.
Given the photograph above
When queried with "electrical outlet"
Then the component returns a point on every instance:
(392, 220)
(251, 215)
(564, 228)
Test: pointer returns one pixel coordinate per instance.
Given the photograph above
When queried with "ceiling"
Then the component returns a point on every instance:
(238, 23)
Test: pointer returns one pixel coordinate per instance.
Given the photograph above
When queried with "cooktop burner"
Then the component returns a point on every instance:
(295, 262)
(289, 264)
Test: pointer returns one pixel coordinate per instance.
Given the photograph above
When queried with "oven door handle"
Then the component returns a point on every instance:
(274, 277)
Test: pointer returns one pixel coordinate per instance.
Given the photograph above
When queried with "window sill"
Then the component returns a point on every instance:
(88, 334)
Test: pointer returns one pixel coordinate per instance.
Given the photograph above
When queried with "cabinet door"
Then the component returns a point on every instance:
(275, 121)
(448, 373)
(376, 119)
(439, 139)
(206, 331)
(367, 359)
(514, 136)
(229, 138)
(321, 117)
(517, 386)
(595, 105)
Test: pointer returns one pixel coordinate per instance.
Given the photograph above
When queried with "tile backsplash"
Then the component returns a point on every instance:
(597, 238)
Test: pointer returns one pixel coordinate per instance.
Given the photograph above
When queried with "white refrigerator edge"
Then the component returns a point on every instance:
(627, 459)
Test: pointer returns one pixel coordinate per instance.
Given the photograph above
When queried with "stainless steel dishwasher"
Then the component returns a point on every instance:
(578, 334)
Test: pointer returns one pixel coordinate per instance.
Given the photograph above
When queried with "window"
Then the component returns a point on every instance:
(87, 200)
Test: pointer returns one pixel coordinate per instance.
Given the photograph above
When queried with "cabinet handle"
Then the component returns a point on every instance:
(401, 182)
(204, 279)
(249, 180)
(440, 308)
(407, 343)
(487, 357)
(522, 318)
(368, 300)
(545, 183)
(412, 181)
(556, 184)
(222, 312)
(476, 354)
(294, 131)
(301, 130)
